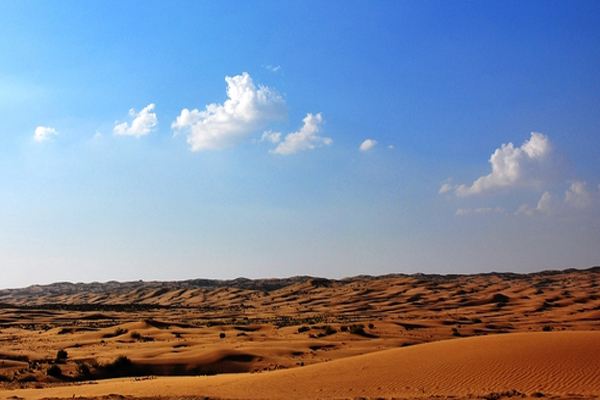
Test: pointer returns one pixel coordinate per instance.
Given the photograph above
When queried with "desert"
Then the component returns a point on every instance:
(491, 335)
(299, 200)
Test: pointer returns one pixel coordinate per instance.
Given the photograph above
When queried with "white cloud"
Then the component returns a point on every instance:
(578, 196)
(247, 109)
(367, 145)
(446, 187)
(545, 205)
(43, 133)
(511, 166)
(462, 212)
(270, 136)
(391, 146)
(142, 123)
(306, 138)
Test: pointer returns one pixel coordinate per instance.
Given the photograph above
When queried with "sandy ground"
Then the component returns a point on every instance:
(534, 364)
(394, 336)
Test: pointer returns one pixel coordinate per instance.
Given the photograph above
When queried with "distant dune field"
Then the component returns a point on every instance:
(399, 336)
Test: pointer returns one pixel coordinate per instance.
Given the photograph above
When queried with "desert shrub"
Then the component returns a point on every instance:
(455, 332)
(140, 337)
(371, 326)
(414, 298)
(303, 329)
(547, 328)
(122, 366)
(83, 371)
(222, 335)
(117, 332)
(54, 371)
(328, 330)
(344, 328)
(501, 395)
(27, 379)
(61, 356)
(359, 329)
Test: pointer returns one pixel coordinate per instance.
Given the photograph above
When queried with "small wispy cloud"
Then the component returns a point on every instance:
(462, 212)
(271, 137)
(367, 144)
(273, 68)
(43, 133)
(142, 123)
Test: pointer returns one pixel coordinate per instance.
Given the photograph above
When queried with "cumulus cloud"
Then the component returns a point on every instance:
(247, 109)
(511, 166)
(462, 212)
(270, 136)
(306, 138)
(43, 133)
(142, 123)
(367, 145)
(578, 196)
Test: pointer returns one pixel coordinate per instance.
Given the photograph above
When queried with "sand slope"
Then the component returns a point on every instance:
(554, 363)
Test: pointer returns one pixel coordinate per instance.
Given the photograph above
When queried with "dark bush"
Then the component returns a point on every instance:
(359, 329)
(117, 332)
(371, 326)
(61, 356)
(222, 335)
(303, 329)
(83, 371)
(122, 366)
(547, 328)
(54, 371)
(329, 330)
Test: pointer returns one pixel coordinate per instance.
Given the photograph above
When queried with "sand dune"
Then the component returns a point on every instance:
(532, 364)
(294, 326)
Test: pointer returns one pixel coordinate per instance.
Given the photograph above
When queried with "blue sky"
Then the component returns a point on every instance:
(271, 179)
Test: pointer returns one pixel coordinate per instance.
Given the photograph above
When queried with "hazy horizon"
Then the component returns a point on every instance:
(300, 276)
(186, 140)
